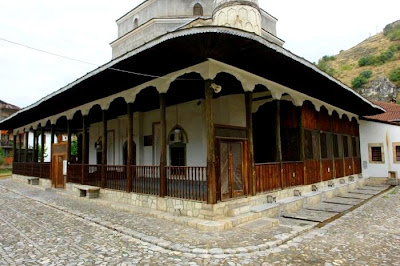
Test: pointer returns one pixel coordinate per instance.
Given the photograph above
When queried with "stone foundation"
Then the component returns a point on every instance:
(45, 183)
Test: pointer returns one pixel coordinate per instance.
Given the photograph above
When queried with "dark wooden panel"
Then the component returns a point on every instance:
(268, 177)
(348, 166)
(327, 169)
(324, 120)
(339, 168)
(309, 116)
(357, 166)
(292, 174)
(312, 172)
(288, 115)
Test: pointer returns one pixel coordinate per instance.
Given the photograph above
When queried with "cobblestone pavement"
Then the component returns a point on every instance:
(33, 233)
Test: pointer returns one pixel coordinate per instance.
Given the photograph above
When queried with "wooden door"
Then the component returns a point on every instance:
(231, 168)
(58, 155)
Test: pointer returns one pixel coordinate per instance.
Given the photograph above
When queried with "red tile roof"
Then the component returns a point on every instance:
(392, 114)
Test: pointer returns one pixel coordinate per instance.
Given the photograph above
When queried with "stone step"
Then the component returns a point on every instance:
(270, 210)
(238, 210)
(260, 225)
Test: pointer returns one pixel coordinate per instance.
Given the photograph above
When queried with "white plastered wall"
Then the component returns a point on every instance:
(228, 110)
(378, 133)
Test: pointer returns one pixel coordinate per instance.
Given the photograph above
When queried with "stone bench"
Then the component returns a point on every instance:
(89, 192)
(33, 180)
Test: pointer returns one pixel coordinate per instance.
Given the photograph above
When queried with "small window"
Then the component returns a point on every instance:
(197, 10)
(376, 154)
(177, 146)
(396, 152)
(135, 23)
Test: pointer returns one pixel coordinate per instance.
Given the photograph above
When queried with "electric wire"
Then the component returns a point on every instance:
(96, 65)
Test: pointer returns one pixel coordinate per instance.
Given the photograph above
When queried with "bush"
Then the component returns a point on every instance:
(394, 75)
(366, 74)
(366, 61)
(361, 80)
(385, 56)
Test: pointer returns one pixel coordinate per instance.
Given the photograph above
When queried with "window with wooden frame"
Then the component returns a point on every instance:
(376, 153)
(354, 147)
(326, 145)
(345, 146)
(197, 10)
(335, 146)
(396, 152)
(308, 145)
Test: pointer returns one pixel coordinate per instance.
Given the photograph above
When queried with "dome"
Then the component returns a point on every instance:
(218, 4)
(240, 14)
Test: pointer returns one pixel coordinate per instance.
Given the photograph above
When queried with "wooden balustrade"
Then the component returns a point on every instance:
(268, 177)
(74, 173)
(93, 175)
(116, 177)
(45, 170)
(312, 172)
(327, 169)
(357, 166)
(146, 179)
(292, 174)
(348, 166)
(339, 168)
(187, 182)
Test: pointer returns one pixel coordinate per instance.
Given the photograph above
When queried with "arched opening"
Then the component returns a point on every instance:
(135, 23)
(197, 10)
(177, 146)
(125, 153)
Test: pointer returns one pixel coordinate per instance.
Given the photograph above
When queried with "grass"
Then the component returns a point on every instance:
(5, 172)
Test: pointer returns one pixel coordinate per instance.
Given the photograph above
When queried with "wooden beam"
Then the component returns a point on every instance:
(15, 148)
(163, 148)
(26, 145)
(35, 147)
(278, 141)
(84, 149)
(130, 147)
(69, 133)
(211, 175)
(20, 147)
(104, 149)
(250, 149)
(301, 140)
(42, 144)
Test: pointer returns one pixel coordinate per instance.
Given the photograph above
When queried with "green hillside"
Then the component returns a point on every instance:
(372, 61)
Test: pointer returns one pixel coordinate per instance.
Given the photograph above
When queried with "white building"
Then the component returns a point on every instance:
(380, 142)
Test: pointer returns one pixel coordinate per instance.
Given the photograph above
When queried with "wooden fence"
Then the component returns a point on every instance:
(187, 182)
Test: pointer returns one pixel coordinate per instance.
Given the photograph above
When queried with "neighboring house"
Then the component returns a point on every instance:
(6, 142)
(380, 142)
(208, 109)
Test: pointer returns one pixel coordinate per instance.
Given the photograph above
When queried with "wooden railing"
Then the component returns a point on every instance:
(41, 170)
(116, 177)
(268, 177)
(312, 172)
(93, 175)
(74, 173)
(339, 168)
(327, 169)
(292, 174)
(187, 182)
(146, 179)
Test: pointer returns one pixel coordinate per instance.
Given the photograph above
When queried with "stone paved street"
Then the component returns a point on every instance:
(42, 228)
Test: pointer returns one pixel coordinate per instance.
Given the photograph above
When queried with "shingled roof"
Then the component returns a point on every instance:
(391, 116)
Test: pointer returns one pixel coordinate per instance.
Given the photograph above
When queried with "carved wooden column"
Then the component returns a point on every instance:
(35, 147)
(278, 142)
(333, 148)
(42, 145)
(104, 150)
(211, 176)
(84, 149)
(26, 145)
(20, 147)
(130, 148)
(301, 141)
(250, 149)
(15, 157)
(163, 148)
(69, 133)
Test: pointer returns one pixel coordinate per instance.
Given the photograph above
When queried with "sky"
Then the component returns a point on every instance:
(83, 30)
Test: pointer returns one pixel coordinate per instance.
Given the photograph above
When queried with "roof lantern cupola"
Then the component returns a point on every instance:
(241, 14)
